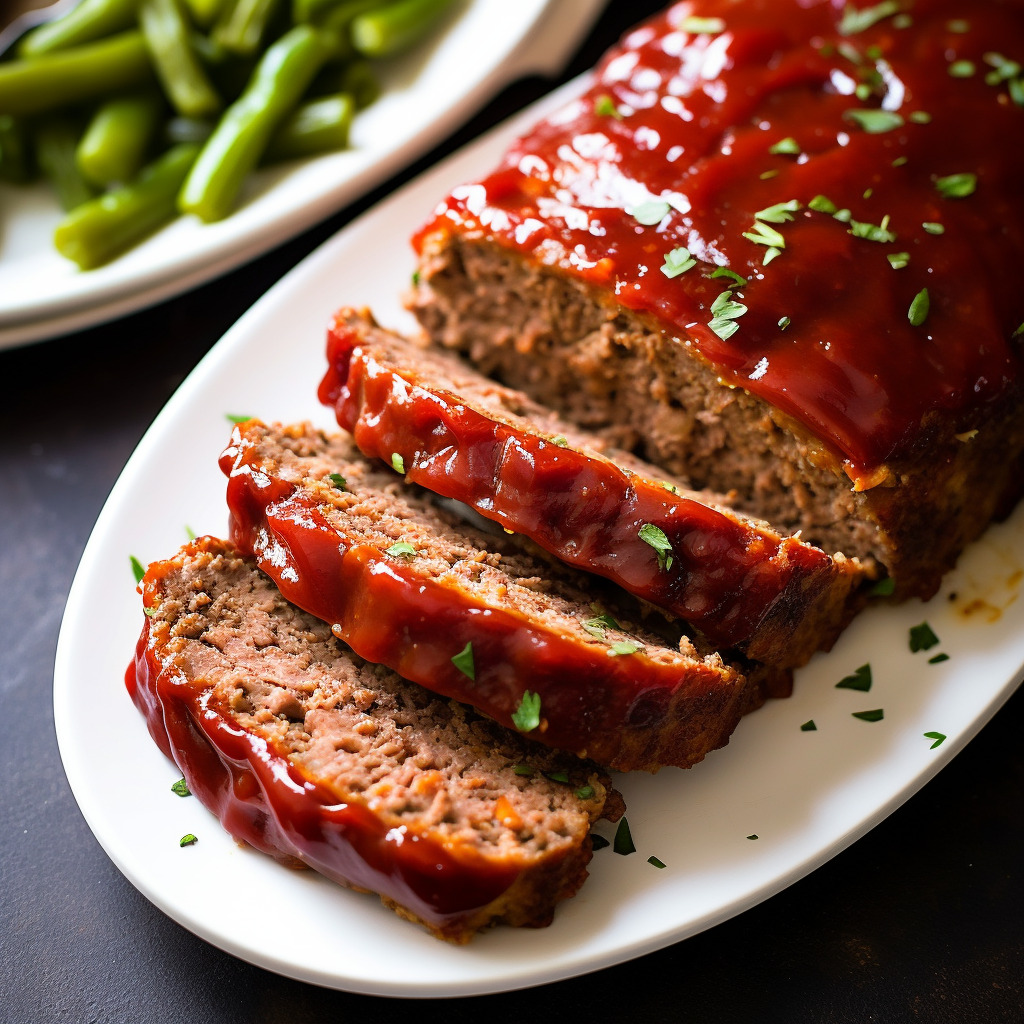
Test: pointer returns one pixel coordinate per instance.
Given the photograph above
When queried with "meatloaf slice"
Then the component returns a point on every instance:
(534, 645)
(748, 251)
(308, 753)
(737, 581)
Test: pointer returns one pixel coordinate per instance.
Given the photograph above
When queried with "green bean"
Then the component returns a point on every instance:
(244, 130)
(360, 81)
(15, 151)
(204, 12)
(114, 145)
(87, 21)
(243, 23)
(319, 126)
(338, 12)
(392, 29)
(56, 139)
(109, 224)
(74, 75)
(187, 129)
(177, 66)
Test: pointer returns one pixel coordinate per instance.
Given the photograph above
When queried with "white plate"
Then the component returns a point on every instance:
(427, 95)
(805, 795)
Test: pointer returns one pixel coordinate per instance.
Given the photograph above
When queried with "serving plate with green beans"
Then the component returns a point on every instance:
(147, 146)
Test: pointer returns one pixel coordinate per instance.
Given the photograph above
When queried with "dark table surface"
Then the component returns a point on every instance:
(921, 920)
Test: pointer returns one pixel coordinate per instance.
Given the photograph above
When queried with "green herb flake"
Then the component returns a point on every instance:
(872, 232)
(920, 117)
(1016, 89)
(702, 26)
(655, 862)
(919, 307)
(933, 228)
(785, 147)
(236, 418)
(624, 647)
(961, 69)
(856, 20)
(873, 120)
(397, 462)
(656, 538)
(765, 175)
(560, 441)
(754, 836)
(623, 843)
(188, 840)
(525, 770)
(149, 612)
(677, 261)
(922, 638)
(1004, 69)
(884, 588)
(900, 161)
(938, 737)
(415, 278)
(138, 569)
(598, 842)
(898, 260)
(180, 788)
(784, 322)
(958, 25)
(860, 680)
(526, 717)
(779, 213)
(559, 775)
(809, 726)
(956, 186)
(936, 659)
(585, 793)
(730, 274)
(338, 480)
(401, 549)
(463, 661)
(651, 212)
(604, 106)
(870, 716)
(823, 205)
(598, 624)
(762, 234)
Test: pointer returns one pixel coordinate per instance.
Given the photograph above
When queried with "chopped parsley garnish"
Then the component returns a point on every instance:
(526, 717)
(188, 840)
(784, 322)
(598, 624)
(855, 20)
(702, 26)
(235, 418)
(809, 726)
(920, 117)
(873, 120)
(652, 860)
(560, 441)
(919, 307)
(733, 276)
(189, 532)
(180, 788)
(677, 261)
(883, 588)
(961, 69)
(585, 793)
(598, 842)
(655, 536)
(899, 260)
(604, 106)
(935, 659)
(922, 638)
(860, 680)
(624, 647)
(338, 480)
(754, 836)
(762, 234)
(724, 313)
(899, 161)
(787, 147)
(560, 775)
(415, 277)
(937, 736)
(870, 716)
(1019, 332)
(138, 569)
(651, 212)
(401, 549)
(463, 661)
(872, 232)
(823, 205)
(397, 462)
(933, 228)
(779, 213)
(957, 186)
(1004, 69)
(524, 769)
(623, 840)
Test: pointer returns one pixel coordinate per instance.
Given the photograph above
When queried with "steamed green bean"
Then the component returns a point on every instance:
(114, 145)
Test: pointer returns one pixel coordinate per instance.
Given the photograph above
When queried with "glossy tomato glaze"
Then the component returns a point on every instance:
(690, 117)
(262, 800)
(725, 576)
(628, 712)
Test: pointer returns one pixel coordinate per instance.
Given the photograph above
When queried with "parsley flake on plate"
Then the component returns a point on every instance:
(922, 638)
(623, 839)
(463, 661)
(874, 120)
(677, 261)
(138, 569)
(401, 549)
(188, 840)
(655, 862)
(937, 736)
(526, 717)
(624, 647)
(919, 307)
(957, 186)
(604, 106)
(656, 538)
(397, 462)
(702, 26)
(650, 213)
(870, 716)
(785, 147)
(860, 680)
(856, 20)
(809, 726)
(180, 788)
(338, 480)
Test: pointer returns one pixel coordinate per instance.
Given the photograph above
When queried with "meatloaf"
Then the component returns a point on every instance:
(312, 755)
(774, 245)
(473, 616)
(737, 581)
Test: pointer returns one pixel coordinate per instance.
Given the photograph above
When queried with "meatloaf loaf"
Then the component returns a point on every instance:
(318, 758)
(737, 581)
(775, 246)
(534, 645)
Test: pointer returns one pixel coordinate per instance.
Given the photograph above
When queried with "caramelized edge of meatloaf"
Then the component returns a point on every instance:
(621, 375)
(610, 686)
(456, 822)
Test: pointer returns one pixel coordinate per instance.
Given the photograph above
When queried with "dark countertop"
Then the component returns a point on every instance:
(921, 920)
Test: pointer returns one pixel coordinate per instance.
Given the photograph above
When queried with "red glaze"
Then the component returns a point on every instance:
(625, 711)
(699, 116)
(725, 577)
(261, 799)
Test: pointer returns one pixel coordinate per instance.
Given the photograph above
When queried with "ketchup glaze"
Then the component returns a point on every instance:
(910, 124)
